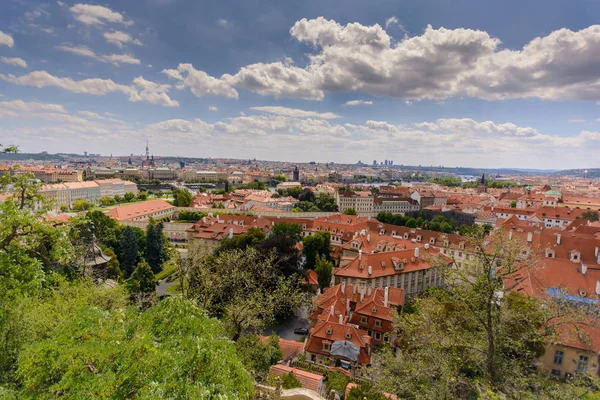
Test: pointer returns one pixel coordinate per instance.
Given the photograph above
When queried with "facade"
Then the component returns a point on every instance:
(143, 211)
(65, 194)
(114, 187)
(361, 202)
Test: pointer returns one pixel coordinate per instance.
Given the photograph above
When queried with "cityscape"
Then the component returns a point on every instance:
(341, 201)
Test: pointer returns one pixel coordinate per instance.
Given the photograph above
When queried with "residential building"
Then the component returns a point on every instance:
(143, 211)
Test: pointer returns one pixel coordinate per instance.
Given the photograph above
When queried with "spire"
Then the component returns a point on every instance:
(147, 151)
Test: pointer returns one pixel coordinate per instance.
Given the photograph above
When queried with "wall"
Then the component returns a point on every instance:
(262, 214)
(173, 230)
(570, 360)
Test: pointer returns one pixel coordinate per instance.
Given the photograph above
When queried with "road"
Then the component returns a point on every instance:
(287, 331)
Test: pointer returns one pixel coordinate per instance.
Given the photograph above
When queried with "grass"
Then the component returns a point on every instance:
(169, 268)
(174, 289)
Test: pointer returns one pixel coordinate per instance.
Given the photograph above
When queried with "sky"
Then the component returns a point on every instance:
(467, 83)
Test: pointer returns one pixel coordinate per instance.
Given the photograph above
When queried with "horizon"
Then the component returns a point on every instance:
(427, 83)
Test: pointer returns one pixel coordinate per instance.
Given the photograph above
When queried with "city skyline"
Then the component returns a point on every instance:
(426, 84)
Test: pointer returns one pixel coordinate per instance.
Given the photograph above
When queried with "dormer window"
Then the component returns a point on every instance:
(373, 310)
(393, 233)
(303, 226)
(383, 264)
(318, 228)
(461, 245)
(342, 232)
(348, 221)
(333, 230)
(382, 232)
(432, 240)
(406, 235)
(348, 335)
(326, 346)
(550, 253)
(329, 331)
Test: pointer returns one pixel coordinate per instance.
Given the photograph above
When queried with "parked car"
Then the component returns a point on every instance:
(301, 331)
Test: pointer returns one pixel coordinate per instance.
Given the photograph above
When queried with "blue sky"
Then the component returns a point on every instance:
(461, 83)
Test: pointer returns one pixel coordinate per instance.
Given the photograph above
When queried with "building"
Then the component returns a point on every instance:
(288, 185)
(116, 187)
(361, 202)
(308, 380)
(143, 211)
(64, 194)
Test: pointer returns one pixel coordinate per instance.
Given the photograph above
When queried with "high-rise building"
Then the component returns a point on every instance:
(374, 162)
(296, 174)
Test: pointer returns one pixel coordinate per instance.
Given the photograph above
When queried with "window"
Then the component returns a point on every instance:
(326, 347)
(377, 324)
(377, 336)
(558, 357)
(363, 320)
(556, 372)
(582, 364)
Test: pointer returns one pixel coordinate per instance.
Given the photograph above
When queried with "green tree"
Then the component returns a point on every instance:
(129, 197)
(258, 355)
(324, 270)
(113, 269)
(338, 382)
(365, 391)
(317, 244)
(307, 195)
(411, 223)
(326, 202)
(350, 211)
(142, 279)
(142, 196)
(106, 201)
(182, 198)
(287, 229)
(82, 205)
(590, 215)
(289, 381)
(156, 253)
(118, 199)
(130, 250)
(250, 238)
(513, 204)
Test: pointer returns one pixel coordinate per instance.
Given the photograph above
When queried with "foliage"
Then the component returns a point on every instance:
(590, 215)
(142, 279)
(290, 192)
(257, 185)
(475, 231)
(365, 391)
(107, 201)
(156, 253)
(306, 206)
(513, 204)
(118, 198)
(191, 216)
(82, 205)
(250, 238)
(287, 229)
(317, 244)
(350, 211)
(326, 202)
(142, 196)
(130, 250)
(289, 381)
(113, 269)
(129, 197)
(124, 353)
(446, 181)
(338, 382)
(258, 355)
(285, 254)
(438, 223)
(182, 198)
(244, 287)
(307, 195)
(324, 270)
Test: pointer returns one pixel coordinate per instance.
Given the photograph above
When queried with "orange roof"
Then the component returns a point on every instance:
(308, 380)
(130, 211)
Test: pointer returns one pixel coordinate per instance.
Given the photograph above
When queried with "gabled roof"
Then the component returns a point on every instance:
(134, 210)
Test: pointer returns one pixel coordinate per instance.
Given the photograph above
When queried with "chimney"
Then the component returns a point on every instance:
(596, 252)
(343, 287)
(369, 291)
(230, 233)
(354, 289)
(332, 311)
(529, 237)
(359, 255)
(362, 294)
(510, 234)
(416, 252)
(558, 238)
(583, 269)
(370, 270)
(340, 319)
(369, 237)
(598, 288)
(203, 220)
(386, 296)
(347, 304)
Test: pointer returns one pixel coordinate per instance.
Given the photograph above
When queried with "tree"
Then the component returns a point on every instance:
(307, 195)
(287, 229)
(286, 256)
(411, 223)
(106, 201)
(258, 355)
(130, 250)
(113, 269)
(513, 204)
(365, 391)
(244, 287)
(250, 238)
(156, 253)
(129, 197)
(142, 280)
(326, 202)
(82, 205)
(118, 198)
(9, 149)
(289, 381)
(590, 215)
(142, 196)
(324, 270)
(182, 198)
(317, 244)
(350, 211)
(338, 382)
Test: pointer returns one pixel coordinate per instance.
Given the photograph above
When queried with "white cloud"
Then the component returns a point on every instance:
(577, 120)
(222, 22)
(435, 65)
(294, 112)
(85, 51)
(31, 106)
(140, 90)
(96, 15)
(6, 40)
(199, 82)
(119, 39)
(354, 103)
(213, 108)
(390, 20)
(19, 62)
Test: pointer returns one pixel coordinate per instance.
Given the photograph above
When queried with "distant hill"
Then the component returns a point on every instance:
(591, 172)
